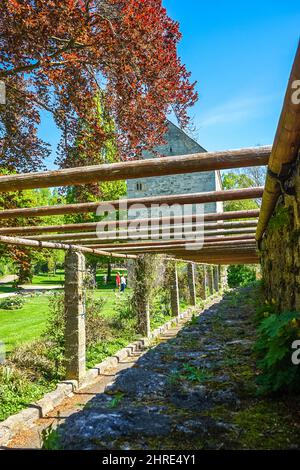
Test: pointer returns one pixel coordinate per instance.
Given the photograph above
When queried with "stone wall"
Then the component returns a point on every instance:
(280, 249)
(177, 143)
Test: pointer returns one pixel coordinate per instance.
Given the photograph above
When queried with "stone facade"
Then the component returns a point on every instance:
(280, 250)
(177, 143)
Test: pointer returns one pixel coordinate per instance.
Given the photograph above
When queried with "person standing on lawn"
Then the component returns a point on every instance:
(123, 283)
(118, 281)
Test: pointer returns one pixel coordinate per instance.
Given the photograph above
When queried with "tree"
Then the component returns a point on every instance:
(57, 55)
(24, 258)
(236, 180)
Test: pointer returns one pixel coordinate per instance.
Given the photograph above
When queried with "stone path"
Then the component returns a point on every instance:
(8, 294)
(195, 389)
(7, 279)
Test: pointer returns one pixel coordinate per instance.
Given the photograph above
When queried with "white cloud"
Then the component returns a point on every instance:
(236, 110)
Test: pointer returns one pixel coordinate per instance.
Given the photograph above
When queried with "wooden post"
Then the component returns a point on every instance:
(75, 316)
(191, 283)
(174, 290)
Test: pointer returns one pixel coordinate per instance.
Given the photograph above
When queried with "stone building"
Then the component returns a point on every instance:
(177, 143)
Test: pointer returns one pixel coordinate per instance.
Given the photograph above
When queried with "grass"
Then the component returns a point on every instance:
(48, 279)
(23, 325)
(27, 324)
(6, 288)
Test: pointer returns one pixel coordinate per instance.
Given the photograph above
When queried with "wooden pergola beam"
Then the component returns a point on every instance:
(207, 161)
(59, 246)
(85, 227)
(220, 261)
(285, 150)
(209, 240)
(187, 230)
(180, 199)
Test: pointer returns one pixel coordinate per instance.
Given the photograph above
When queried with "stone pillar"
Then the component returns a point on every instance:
(142, 292)
(143, 326)
(216, 278)
(191, 283)
(130, 273)
(223, 277)
(75, 316)
(209, 279)
(204, 283)
(174, 290)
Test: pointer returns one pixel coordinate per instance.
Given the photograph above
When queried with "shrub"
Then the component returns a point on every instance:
(12, 303)
(241, 275)
(97, 326)
(124, 312)
(273, 347)
(16, 389)
(161, 307)
(35, 361)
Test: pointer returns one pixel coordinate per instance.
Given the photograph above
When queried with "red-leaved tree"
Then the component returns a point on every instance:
(58, 54)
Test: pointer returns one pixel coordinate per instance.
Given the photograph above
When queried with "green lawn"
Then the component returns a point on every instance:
(27, 324)
(6, 288)
(48, 278)
(23, 325)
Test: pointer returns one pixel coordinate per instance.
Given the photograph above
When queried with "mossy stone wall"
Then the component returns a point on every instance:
(280, 250)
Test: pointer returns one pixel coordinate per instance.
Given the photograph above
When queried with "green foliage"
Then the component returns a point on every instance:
(235, 180)
(12, 303)
(97, 327)
(280, 219)
(189, 373)
(194, 320)
(195, 374)
(241, 275)
(273, 347)
(116, 400)
(184, 293)
(6, 267)
(160, 308)
(16, 390)
(50, 438)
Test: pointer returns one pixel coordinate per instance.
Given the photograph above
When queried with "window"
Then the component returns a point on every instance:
(139, 186)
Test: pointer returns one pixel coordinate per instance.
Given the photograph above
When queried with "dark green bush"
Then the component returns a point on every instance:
(12, 303)
(17, 389)
(276, 334)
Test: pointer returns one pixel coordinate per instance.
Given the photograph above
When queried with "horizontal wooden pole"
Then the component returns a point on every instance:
(206, 161)
(157, 231)
(124, 246)
(57, 246)
(210, 260)
(185, 236)
(85, 227)
(285, 150)
(122, 204)
(168, 247)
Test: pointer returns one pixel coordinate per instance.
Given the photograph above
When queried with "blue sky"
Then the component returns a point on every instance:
(240, 53)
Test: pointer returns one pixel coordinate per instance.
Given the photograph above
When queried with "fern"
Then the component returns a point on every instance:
(276, 334)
